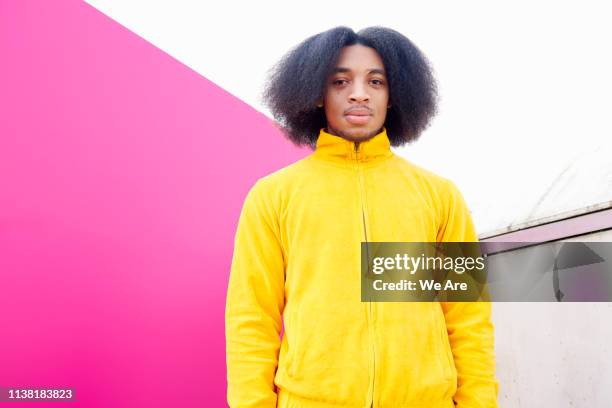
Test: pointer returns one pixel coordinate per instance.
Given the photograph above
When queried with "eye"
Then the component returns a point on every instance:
(377, 82)
(339, 81)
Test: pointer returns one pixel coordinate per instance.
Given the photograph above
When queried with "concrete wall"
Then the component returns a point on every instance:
(555, 354)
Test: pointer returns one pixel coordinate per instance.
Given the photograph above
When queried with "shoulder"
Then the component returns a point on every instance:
(285, 175)
(272, 189)
(281, 179)
(439, 185)
(454, 219)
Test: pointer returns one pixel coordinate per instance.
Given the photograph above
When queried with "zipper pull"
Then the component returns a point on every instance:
(356, 150)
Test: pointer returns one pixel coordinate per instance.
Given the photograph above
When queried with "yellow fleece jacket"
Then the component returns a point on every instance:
(297, 261)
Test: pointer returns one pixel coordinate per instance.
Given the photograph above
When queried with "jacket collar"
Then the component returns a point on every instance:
(335, 148)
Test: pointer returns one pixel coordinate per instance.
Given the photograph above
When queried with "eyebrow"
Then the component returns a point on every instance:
(370, 71)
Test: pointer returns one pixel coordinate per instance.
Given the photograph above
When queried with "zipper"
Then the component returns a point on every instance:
(370, 396)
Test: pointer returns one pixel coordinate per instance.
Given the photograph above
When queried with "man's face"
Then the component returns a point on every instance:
(356, 94)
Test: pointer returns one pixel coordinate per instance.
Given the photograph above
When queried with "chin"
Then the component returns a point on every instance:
(356, 133)
(361, 133)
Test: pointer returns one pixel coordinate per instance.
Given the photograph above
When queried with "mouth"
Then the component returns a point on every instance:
(358, 116)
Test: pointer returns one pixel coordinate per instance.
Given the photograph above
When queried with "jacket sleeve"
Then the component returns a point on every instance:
(254, 305)
(469, 326)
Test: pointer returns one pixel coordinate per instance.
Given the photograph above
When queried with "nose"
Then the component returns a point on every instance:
(359, 94)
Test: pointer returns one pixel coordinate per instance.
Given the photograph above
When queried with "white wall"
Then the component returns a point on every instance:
(555, 354)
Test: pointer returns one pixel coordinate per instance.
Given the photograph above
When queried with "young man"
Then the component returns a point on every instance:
(350, 96)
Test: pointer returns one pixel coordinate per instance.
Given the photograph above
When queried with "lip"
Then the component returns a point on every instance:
(358, 112)
(358, 116)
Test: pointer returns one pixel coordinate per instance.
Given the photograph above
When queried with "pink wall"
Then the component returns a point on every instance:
(122, 174)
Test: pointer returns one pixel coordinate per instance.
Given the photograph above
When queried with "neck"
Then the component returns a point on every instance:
(351, 138)
(342, 150)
